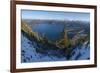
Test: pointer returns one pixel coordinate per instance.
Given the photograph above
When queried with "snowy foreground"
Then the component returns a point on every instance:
(29, 53)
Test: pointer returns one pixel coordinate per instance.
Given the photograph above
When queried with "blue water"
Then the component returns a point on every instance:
(29, 48)
(52, 32)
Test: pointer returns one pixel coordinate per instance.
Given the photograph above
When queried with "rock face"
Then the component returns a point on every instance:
(37, 47)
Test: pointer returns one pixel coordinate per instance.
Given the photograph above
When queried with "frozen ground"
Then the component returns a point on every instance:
(29, 53)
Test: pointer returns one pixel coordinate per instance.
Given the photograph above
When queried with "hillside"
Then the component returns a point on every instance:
(64, 48)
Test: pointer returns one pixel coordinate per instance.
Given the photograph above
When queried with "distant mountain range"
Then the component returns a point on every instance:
(71, 24)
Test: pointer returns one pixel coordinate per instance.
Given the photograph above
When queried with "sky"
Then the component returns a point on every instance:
(37, 14)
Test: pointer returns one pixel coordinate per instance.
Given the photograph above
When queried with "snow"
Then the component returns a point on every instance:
(29, 53)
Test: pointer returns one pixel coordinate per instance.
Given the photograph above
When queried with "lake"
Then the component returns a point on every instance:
(53, 30)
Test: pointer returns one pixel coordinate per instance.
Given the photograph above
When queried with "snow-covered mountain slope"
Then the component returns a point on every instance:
(29, 52)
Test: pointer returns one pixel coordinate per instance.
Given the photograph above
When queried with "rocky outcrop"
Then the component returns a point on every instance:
(64, 43)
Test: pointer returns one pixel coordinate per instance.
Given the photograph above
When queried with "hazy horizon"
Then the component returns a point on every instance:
(55, 15)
